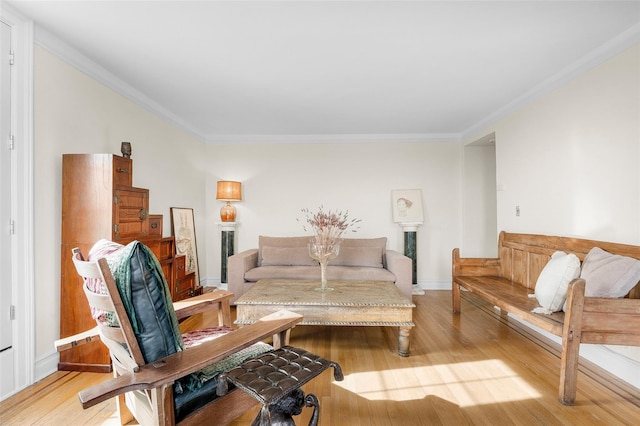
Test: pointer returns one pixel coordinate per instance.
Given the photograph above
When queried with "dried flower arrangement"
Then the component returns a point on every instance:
(328, 226)
(325, 245)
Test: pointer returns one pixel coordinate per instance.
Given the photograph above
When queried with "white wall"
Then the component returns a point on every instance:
(75, 114)
(280, 179)
(570, 161)
(479, 200)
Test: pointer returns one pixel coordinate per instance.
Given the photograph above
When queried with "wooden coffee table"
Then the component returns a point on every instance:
(363, 303)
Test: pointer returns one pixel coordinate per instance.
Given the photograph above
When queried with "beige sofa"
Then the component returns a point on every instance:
(288, 258)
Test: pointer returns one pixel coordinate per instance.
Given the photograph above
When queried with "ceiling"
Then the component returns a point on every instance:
(295, 70)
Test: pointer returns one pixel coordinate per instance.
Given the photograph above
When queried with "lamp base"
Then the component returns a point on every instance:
(228, 213)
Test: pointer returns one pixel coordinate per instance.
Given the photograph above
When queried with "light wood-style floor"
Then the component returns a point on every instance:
(473, 369)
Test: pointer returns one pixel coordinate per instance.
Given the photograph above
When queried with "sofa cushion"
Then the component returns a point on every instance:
(282, 242)
(348, 273)
(365, 242)
(279, 256)
(358, 256)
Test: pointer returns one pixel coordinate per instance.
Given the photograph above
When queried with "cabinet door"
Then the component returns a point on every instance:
(130, 213)
(164, 249)
(185, 283)
(122, 171)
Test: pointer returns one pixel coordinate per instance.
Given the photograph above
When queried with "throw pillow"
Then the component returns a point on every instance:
(552, 284)
(102, 248)
(147, 301)
(609, 275)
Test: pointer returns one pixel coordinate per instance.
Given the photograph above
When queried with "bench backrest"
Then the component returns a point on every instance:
(523, 256)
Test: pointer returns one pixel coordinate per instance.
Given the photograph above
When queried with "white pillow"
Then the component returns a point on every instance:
(552, 284)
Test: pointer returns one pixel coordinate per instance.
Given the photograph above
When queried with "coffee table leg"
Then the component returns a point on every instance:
(403, 341)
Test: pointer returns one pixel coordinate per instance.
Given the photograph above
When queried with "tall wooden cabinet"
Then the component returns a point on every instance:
(99, 201)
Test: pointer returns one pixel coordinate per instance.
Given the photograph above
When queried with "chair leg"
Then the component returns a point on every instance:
(123, 411)
(312, 401)
(281, 413)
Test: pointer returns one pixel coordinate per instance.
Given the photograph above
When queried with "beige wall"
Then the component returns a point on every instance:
(281, 179)
(75, 114)
(570, 161)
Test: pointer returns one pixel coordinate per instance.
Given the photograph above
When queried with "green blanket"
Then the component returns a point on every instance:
(119, 264)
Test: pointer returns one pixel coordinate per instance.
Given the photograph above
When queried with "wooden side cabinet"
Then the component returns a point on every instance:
(99, 201)
(185, 284)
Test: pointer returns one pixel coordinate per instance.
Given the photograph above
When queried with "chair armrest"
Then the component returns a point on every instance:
(218, 299)
(401, 266)
(77, 339)
(184, 308)
(237, 265)
(167, 370)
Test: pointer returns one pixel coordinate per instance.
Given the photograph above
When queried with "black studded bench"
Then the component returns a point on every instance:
(274, 379)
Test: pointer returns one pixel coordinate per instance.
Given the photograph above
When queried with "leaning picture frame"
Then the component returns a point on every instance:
(184, 231)
(406, 205)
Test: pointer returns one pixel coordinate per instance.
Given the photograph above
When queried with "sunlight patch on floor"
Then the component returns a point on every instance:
(464, 384)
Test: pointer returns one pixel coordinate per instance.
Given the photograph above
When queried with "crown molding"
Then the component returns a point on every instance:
(613, 47)
(333, 138)
(73, 57)
(606, 51)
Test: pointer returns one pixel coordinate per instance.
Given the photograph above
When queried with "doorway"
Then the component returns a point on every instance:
(479, 203)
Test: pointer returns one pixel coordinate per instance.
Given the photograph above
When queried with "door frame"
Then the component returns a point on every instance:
(22, 198)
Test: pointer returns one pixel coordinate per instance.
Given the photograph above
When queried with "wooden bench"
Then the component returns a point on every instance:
(507, 281)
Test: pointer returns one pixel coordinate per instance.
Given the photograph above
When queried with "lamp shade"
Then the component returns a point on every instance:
(229, 190)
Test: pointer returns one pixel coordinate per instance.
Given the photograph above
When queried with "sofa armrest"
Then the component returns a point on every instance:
(401, 266)
(237, 266)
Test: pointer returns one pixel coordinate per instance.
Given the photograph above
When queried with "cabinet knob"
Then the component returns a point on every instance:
(144, 214)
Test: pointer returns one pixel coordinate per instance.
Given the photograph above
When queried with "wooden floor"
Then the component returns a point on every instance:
(475, 369)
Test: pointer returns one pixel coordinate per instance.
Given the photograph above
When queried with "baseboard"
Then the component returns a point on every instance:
(622, 367)
(212, 282)
(46, 365)
(434, 284)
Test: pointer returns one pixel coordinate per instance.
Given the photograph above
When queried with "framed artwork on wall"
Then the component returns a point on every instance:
(183, 229)
(407, 205)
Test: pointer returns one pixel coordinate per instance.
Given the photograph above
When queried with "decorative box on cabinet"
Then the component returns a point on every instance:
(99, 201)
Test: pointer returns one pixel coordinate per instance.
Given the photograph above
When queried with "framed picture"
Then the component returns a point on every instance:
(184, 230)
(407, 205)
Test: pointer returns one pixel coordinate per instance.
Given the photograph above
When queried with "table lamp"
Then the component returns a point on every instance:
(228, 191)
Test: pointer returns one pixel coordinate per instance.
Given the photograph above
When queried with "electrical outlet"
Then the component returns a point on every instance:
(517, 210)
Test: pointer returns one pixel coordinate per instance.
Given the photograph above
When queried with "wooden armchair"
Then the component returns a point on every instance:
(145, 388)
